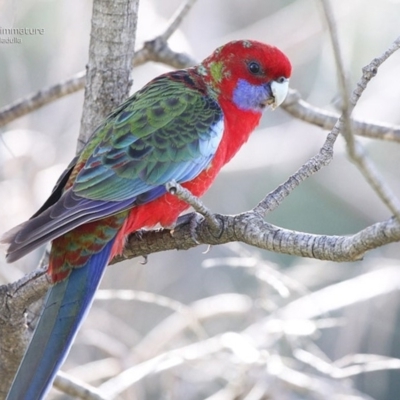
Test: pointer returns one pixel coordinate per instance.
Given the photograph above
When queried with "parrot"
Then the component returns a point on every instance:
(183, 126)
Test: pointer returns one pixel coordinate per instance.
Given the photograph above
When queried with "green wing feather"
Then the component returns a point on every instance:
(168, 130)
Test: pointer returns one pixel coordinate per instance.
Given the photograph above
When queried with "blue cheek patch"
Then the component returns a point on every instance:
(249, 97)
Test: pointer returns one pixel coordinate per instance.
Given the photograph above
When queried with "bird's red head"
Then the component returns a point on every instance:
(249, 73)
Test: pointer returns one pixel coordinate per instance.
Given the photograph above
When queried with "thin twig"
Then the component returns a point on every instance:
(355, 149)
(344, 85)
(369, 363)
(76, 388)
(158, 50)
(177, 18)
(313, 165)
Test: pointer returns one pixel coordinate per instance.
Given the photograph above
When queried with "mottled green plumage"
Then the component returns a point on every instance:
(163, 132)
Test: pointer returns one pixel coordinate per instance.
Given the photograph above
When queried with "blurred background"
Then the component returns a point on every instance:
(287, 328)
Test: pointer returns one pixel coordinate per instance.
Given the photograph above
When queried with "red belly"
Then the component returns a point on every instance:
(164, 211)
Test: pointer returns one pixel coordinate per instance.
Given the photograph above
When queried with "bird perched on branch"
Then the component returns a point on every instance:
(183, 126)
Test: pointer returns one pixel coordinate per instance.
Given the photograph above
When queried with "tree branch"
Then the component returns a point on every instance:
(108, 72)
(41, 98)
(300, 109)
(250, 228)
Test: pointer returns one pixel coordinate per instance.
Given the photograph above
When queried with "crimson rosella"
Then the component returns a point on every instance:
(182, 126)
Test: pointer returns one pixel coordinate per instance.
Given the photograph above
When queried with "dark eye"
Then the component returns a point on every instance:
(254, 67)
(281, 79)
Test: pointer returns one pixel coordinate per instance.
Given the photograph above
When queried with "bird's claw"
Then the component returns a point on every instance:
(139, 233)
(194, 221)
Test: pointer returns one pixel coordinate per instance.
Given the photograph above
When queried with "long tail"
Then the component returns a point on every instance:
(66, 306)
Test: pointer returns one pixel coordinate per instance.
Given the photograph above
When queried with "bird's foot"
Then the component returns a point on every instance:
(139, 234)
(193, 220)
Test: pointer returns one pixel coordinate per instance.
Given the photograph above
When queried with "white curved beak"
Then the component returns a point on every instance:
(279, 91)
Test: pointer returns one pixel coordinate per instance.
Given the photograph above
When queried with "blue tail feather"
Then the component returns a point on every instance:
(66, 306)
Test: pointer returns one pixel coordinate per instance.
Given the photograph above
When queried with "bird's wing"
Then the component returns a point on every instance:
(169, 130)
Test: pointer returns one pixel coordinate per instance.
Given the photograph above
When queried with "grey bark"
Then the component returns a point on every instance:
(112, 44)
